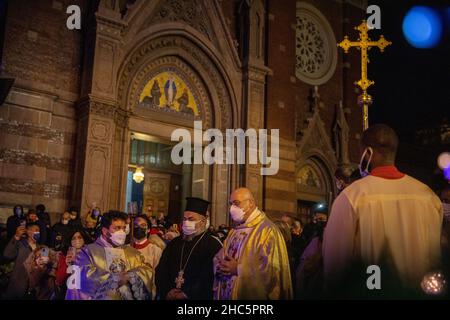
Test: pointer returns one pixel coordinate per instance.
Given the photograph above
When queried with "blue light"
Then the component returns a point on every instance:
(447, 173)
(422, 27)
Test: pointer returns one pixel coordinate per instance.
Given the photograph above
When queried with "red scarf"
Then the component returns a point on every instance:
(140, 246)
(387, 172)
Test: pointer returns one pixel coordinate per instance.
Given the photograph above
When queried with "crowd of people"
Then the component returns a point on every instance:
(380, 217)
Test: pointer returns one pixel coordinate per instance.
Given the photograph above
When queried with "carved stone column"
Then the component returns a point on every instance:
(253, 55)
(102, 125)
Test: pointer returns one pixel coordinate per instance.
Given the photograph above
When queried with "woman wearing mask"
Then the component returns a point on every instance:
(76, 240)
(60, 231)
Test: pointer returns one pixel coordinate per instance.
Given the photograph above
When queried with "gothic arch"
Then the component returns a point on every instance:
(314, 147)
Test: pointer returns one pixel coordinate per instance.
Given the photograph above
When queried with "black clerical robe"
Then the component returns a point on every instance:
(198, 274)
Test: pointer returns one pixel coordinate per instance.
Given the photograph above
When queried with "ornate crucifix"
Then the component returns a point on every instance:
(179, 280)
(364, 44)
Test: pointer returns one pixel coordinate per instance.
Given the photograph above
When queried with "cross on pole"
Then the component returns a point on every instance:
(364, 44)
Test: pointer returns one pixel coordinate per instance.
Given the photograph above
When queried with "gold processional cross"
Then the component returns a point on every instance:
(364, 44)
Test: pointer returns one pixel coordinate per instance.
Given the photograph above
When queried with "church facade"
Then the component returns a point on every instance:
(90, 107)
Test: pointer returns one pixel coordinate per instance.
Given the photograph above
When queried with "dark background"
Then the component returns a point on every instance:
(412, 90)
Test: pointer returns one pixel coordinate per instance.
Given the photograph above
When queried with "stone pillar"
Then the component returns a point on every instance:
(102, 125)
(255, 72)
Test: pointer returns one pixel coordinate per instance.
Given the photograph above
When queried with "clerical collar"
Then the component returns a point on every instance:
(140, 244)
(387, 172)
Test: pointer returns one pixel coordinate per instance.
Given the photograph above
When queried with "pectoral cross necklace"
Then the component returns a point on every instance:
(179, 280)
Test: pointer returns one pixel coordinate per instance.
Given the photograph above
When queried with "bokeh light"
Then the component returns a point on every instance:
(422, 27)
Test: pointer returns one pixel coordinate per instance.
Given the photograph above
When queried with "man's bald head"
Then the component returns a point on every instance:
(383, 140)
(243, 198)
(243, 193)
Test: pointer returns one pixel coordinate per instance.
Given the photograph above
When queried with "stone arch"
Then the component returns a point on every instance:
(192, 51)
(190, 55)
(325, 172)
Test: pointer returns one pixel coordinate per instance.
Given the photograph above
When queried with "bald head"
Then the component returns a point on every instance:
(243, 193)
(243, 198)
(384, 142)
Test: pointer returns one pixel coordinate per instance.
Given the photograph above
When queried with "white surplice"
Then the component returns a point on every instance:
(374, 216)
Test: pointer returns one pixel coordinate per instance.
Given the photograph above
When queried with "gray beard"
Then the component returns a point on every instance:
(192, 236)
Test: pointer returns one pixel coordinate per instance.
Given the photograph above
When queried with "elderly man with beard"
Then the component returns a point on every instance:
(185, 270)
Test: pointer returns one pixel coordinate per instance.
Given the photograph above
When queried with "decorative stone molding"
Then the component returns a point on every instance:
(135, 70)
(100, 131)
(105, 69)
(191, 12)
(316, 53)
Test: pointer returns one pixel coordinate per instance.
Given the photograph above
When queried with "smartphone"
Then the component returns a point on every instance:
(44, 252)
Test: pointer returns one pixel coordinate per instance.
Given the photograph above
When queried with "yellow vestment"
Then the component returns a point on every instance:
(263, 264)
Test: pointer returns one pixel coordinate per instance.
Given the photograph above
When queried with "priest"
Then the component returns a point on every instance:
(253, 263)
(185, 270)
(109, 270)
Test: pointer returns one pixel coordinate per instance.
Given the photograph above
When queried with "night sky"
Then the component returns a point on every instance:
(412, 86)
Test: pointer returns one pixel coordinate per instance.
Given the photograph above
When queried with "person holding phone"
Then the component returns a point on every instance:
(40, 267)
(19, 248)
(74, 242)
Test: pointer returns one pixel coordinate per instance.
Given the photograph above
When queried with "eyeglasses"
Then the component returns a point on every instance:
(237, 202)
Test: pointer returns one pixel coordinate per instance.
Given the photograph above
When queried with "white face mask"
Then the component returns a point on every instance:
(78, 243)
(365, 171)
(127, 229)
(118, 237)
(208, 224)
(237, 213)
(189, 227)
(446, 207)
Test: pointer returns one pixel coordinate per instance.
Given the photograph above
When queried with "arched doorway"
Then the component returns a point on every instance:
(314, 187)
(167, 83)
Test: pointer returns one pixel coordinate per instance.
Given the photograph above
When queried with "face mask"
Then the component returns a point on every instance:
(365, 171)
(446, 207)
(127, 229)
(237, 214)
(18, 212)
(140, 233)
(118, 237)
(189, 227)
(36, 236)
(208, 224)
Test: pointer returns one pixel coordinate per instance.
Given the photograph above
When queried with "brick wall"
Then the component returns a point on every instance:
(37, 121)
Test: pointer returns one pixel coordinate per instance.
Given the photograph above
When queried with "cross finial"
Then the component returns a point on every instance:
(364, 44)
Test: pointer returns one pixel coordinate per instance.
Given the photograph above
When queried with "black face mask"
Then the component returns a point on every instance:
(140, 233)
